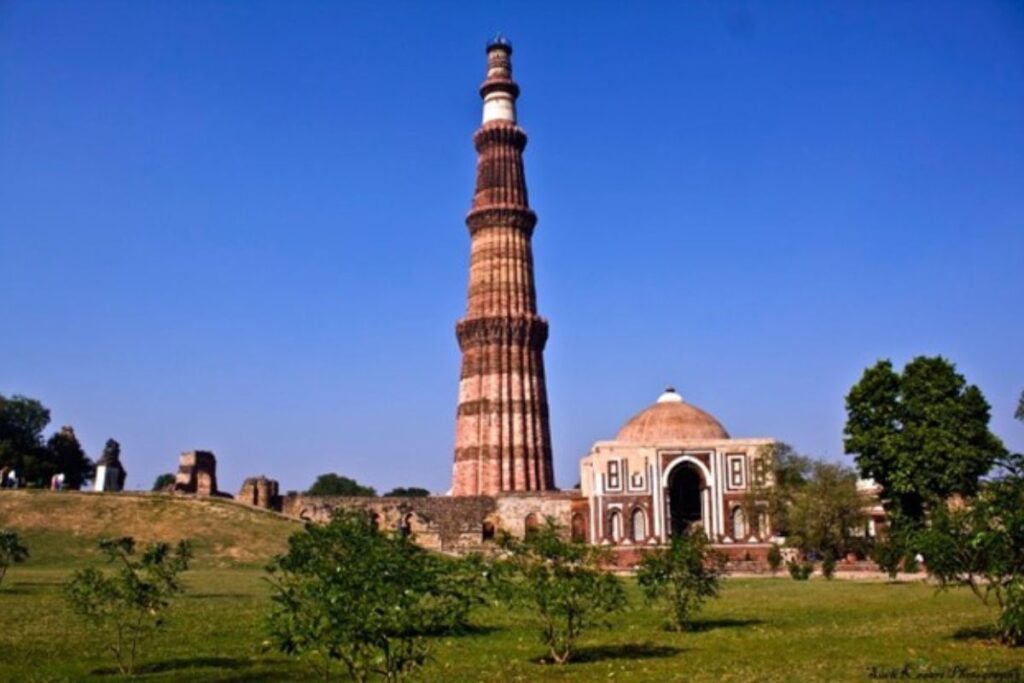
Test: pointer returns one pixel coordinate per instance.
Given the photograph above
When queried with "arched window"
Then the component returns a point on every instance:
(638, 525)
(532, 524)
(579, 527)
(487, 532)
(739, 524)
(615, 525)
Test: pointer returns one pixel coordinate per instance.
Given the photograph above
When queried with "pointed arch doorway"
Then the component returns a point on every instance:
(685, 498)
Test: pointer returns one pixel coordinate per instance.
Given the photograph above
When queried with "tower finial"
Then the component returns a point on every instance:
(499, 41)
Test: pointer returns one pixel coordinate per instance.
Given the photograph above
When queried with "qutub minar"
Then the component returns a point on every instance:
(670, 468)
(502, 437)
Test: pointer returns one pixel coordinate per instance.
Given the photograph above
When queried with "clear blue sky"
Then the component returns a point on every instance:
(239, 225)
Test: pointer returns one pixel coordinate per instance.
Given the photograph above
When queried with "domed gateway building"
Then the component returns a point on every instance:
(673, 468)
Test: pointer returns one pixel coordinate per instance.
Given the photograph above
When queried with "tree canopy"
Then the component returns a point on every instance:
(332, 484)
(68, 457)
(407, 492)
(22, 421)
(922, 434)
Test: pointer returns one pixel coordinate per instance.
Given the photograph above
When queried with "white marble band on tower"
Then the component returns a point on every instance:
(499, 90)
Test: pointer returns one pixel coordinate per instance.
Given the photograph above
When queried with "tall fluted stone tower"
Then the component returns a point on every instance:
(502, 438)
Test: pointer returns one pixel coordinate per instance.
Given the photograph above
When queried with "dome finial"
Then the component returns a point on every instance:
(670, 396)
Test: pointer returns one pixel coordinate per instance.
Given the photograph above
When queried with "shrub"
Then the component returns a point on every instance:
(828, 565)
(685, 575)
(129, 604)
(774, 558)
(346, 592)
(11, 551)
(800, 571)
(981, 546)
(887, 554)
(564, 582)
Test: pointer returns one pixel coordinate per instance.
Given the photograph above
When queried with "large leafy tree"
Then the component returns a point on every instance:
(921, 434)
(67, 457)
(336, 485)
(22, 421)
(826, 515)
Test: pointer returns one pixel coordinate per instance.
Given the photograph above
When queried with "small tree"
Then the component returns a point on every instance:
(828, 565)
(774, 558)
(825, 511)
(11, 551)
(346, 592)
(331, 484)
(981, 546)
(130, 603)
(564, 581)
(163, 481)
(887, 553)
(685, 574)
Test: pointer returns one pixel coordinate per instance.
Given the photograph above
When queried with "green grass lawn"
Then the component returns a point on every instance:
(759, 630)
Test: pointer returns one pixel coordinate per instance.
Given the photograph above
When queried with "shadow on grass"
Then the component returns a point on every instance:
(985, 632)
(712, 624)
(467, 631)
(597, 653)
(182, 664)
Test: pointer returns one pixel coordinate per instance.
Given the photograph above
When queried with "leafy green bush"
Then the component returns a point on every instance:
(800, 571)
(888, 553)
(981, 546)
(774, 558)
(685, 574)
(129, 604)
(346, 592)
(828, 566)
(564, 581)
(11, 551)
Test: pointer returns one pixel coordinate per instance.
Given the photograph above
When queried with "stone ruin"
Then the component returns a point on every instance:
(260, 492)
(197, 474)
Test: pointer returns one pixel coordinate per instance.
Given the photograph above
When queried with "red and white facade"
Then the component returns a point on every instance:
(673, 467)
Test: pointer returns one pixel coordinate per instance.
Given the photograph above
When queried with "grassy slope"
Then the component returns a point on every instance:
(760, 630)
(61, 529)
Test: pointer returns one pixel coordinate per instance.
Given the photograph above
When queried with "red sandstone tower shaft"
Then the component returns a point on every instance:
(502, 439)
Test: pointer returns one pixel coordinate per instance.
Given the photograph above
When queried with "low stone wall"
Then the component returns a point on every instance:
(451, 524)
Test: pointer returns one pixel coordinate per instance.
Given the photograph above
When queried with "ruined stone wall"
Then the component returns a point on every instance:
(197, 474)
(260, 492)
(452, 524)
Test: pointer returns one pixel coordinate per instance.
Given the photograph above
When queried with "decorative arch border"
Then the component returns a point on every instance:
(686, 458)
(710, 516)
